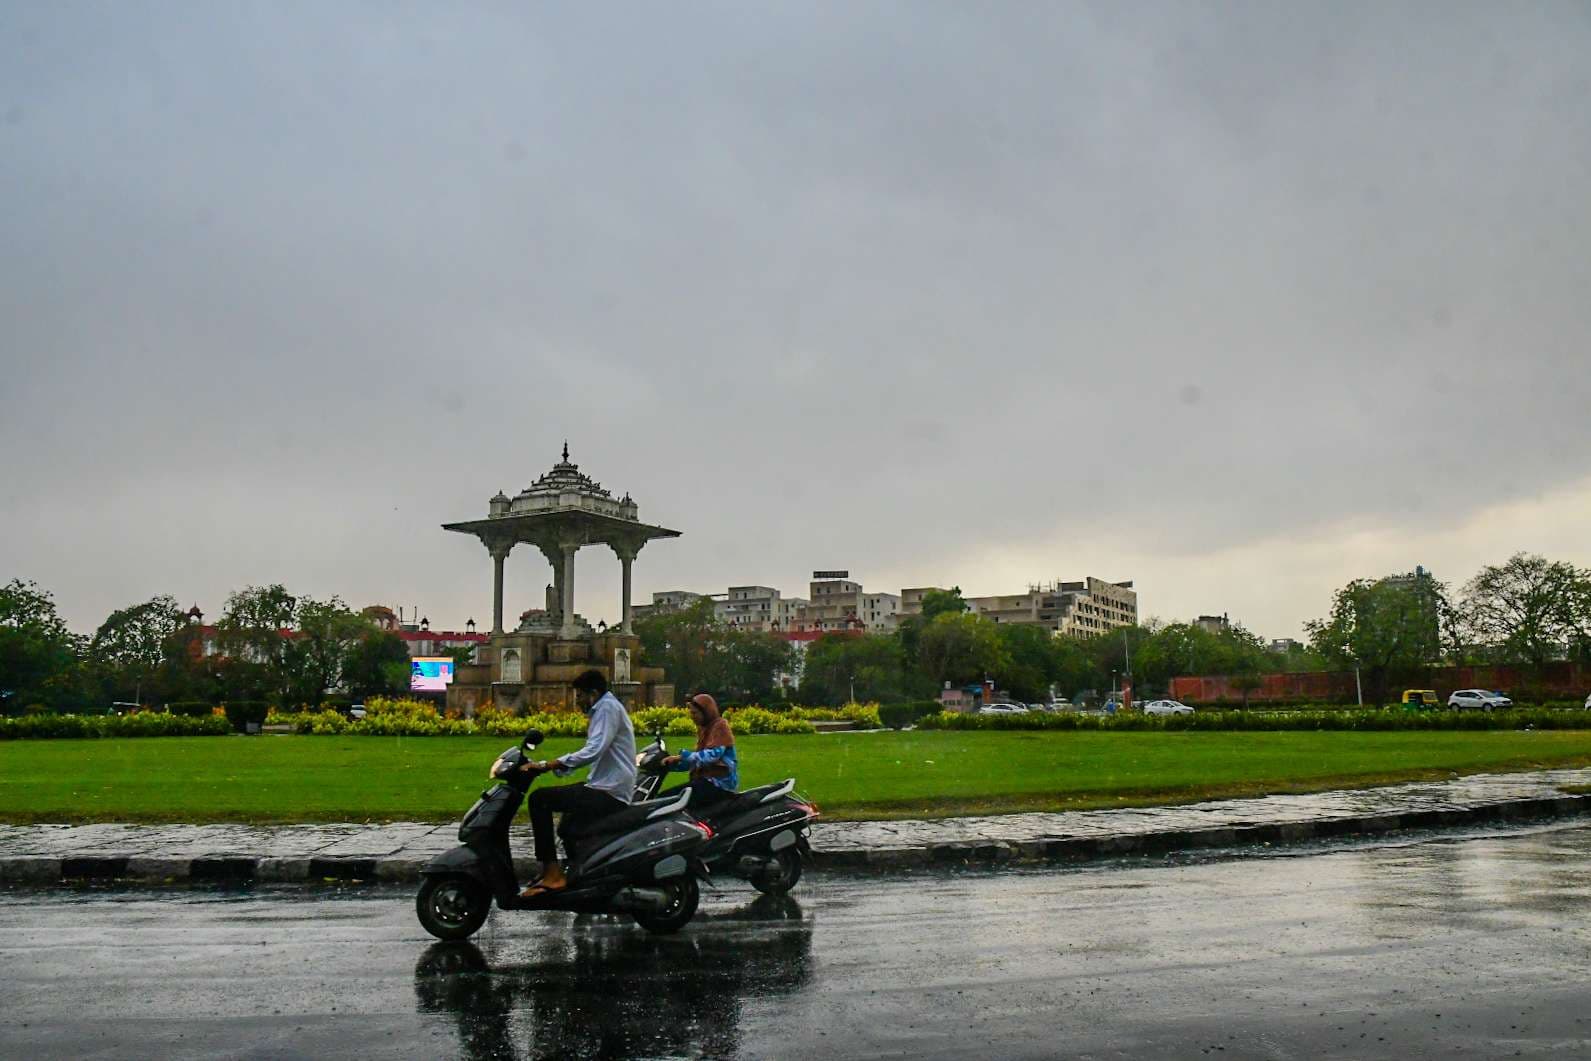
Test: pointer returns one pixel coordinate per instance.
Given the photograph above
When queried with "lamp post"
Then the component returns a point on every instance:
(852, 681)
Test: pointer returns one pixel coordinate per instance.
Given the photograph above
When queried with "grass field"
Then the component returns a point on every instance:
(851, 775)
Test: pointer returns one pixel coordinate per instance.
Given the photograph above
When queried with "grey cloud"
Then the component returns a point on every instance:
(883, 286)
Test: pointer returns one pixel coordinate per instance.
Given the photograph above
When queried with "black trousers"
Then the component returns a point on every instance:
(703, 794)
(579, 805)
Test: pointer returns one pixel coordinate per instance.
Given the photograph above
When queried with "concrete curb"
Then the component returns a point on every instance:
(1075, 849)
(403, 867)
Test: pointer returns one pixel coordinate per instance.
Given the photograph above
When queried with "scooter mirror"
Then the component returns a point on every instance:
(533, 738)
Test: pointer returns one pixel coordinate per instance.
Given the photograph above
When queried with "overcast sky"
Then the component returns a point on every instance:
(1238, 301)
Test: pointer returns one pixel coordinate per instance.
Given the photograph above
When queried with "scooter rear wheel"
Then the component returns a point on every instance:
(683, 895)
(452, 907)
(782, 876)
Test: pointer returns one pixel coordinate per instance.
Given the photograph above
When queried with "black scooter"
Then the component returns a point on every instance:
(759, 835)
(643, 860)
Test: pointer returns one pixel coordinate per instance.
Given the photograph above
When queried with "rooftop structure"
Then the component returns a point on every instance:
(559, 514)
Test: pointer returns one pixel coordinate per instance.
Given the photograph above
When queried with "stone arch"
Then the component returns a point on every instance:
(512, 670)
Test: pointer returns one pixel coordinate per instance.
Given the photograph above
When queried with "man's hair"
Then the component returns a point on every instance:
(591, 681)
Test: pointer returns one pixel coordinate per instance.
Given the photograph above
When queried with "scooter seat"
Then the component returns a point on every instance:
(746, 800)
(632, 817)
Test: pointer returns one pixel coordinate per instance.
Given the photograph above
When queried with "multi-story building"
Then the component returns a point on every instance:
(1213, 624)
(790, 611)
(750, 608)
(669, 600)
(880, 612)
(835, 604)
(1084, 609)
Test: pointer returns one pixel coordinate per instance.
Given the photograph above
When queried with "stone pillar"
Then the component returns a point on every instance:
(499, 553)
(566, 594)
(626, 554)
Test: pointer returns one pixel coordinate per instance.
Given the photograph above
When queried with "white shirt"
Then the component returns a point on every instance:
(609, 748)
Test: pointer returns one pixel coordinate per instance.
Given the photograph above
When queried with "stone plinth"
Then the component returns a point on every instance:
(527, 672)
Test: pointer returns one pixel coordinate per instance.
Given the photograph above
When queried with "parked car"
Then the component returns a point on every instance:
(1002, 709)
(356, 712)
(1167, 707)
(1484, 699)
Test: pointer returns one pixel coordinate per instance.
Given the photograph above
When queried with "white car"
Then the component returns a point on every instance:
(1002, 709)
(1167, 707)
(1484, 699)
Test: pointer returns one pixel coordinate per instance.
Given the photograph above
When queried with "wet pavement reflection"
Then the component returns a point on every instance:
(1441, 946)
(607, 990)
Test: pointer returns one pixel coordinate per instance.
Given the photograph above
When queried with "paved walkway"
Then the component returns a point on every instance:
(45, 854)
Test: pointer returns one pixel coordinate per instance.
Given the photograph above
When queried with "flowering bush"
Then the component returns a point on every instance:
(752, 720)
(864, 715)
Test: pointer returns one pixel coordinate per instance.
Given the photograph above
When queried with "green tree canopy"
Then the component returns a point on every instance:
(873, 664)
(698, 653)
(38, 654)
(1384, 627)
(1528, 610)
(961, 648)
(137, 644)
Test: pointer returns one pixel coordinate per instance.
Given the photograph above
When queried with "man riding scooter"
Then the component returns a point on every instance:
(610, 752)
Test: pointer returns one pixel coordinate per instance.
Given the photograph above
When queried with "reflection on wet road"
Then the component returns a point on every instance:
(1455, 947)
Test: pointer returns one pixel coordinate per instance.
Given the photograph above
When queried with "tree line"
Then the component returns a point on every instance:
(268, 645)
(272, 645)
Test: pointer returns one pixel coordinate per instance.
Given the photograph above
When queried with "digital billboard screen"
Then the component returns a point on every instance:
(430, 673)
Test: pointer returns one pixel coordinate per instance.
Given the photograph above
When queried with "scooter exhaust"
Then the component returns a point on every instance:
(646, 900)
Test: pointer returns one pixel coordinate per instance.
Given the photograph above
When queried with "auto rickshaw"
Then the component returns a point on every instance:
(1420, 699)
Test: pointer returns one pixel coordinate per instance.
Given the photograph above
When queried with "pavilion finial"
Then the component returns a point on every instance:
(566, 451)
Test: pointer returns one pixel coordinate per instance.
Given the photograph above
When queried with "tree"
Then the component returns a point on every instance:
(960, 648)
(253, 635)
(328, 634)
(38, 654)
(742, 665)
(1528, 610)
(936, 602)
(1034, 659)
(136, 644)
(680, 642)
(872, 666)
(378, 664)
(1383, 627)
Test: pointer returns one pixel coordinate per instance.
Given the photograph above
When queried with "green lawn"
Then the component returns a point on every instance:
(850, 775)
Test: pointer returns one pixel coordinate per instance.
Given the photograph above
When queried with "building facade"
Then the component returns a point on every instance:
(1079, 609)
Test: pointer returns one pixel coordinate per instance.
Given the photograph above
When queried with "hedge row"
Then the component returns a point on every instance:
(414, 718)
(1385, 720)
(140, 724)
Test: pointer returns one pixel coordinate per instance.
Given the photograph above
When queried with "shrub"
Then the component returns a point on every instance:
(191, 708)
(1367, 720)
(141, 724)
(751, 720)
(647, 719)
(241, 712)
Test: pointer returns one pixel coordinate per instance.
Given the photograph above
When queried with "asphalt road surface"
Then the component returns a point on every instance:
(1457, 947)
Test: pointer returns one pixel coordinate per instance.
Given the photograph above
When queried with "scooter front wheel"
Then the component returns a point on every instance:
(783, 875)
(683, 895)
(452, 907)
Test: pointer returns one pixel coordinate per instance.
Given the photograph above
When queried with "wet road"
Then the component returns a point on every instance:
(1450, 947)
